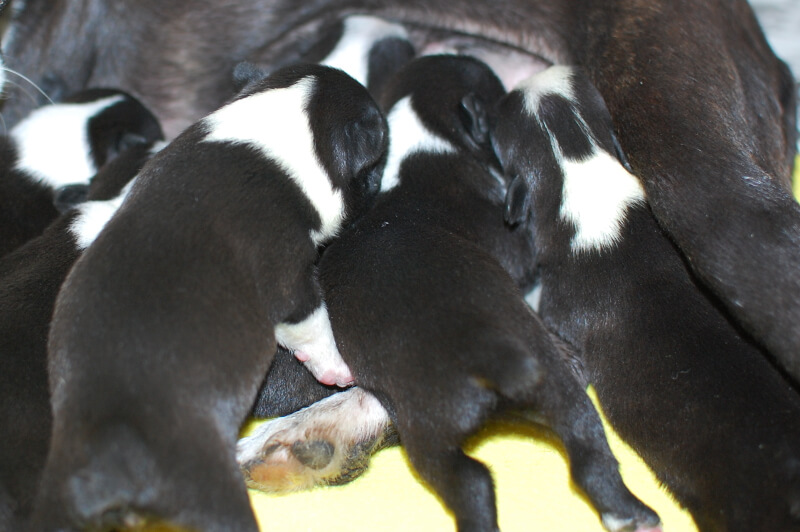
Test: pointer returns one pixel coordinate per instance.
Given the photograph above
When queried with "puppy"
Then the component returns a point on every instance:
(678, 380)
(370, 50)
(430, 321)
(30, 277)
(63, 144)
(167, 324)
(709, 127)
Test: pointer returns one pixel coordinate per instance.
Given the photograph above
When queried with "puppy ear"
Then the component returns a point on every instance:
(619, 153)
(245, 73)
(518, 201)
(475, 118)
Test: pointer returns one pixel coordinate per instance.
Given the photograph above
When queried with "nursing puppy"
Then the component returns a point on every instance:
(63, 144)
(430, 320)
(369, 50)
(167, 324)
(709, 127)
(30, 278)
(691, 393)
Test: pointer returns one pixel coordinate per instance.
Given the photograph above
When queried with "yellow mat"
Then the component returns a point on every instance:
(530, 471)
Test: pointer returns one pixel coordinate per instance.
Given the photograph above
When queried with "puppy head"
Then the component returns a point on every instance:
(451, 93)
(555, 140)
(67, 142)
(440, 103)
(351, 136)
(321, 126)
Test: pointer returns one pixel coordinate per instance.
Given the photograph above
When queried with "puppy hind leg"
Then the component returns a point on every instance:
(567, 409)
(464, 484)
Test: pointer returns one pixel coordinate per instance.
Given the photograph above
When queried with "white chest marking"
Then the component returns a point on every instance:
(596, 196)
(351, 53)
(53, 142)
(407, 136)
(275, 123)
(93, 217)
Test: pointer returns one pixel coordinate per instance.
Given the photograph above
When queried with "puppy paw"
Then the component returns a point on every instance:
(328, 443)
(648, 522)
(327, 367)
(312, 343)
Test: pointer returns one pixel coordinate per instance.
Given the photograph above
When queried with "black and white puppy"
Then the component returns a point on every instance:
(30, 278)
(166, 325)
(679, 381)
(431, 321)
(370, 50)
(60, 145)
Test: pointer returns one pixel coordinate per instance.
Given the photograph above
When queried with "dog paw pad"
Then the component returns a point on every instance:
(315, 454)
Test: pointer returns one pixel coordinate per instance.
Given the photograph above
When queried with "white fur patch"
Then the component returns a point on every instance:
(596, 196)
(351, 53)
(53, 142)
(597, 191)
(275, 122)
(553, 80)
(408, 135)
(312, 342)
(93, 217)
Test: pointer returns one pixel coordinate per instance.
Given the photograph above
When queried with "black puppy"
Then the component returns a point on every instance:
(430, 320)
(167, 324)
(30, 278)
(682, 384)
(63, 144)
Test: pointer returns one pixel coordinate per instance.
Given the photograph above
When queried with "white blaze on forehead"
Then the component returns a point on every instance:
(351, 53)
(275, 122)
(408, 135)
(597, 194)
(93, 217)
(53, 142)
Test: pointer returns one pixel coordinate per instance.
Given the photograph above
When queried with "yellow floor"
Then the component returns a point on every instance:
(530, 471)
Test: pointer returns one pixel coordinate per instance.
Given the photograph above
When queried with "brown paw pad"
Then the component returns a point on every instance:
(315, 454)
